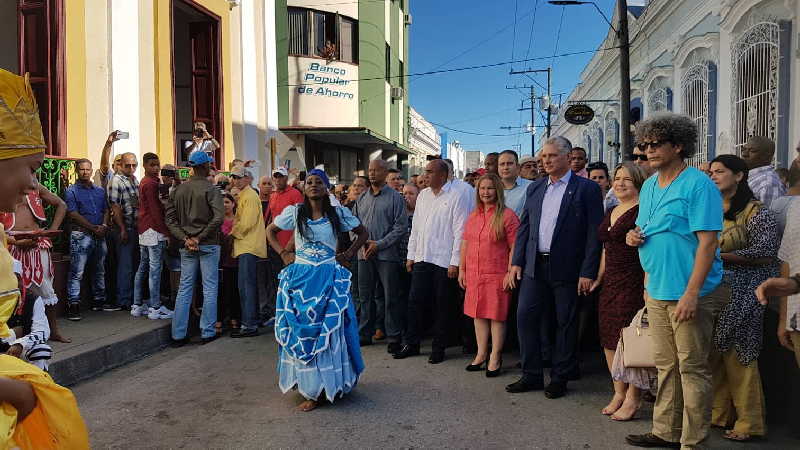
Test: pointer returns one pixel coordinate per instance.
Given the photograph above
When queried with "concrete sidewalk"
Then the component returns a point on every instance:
(102, 341)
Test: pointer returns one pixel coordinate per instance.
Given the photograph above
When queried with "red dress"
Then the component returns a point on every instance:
(622, 290)
(487, 264)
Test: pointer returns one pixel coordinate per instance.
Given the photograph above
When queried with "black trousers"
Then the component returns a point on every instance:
(430, 285)
(536, 297)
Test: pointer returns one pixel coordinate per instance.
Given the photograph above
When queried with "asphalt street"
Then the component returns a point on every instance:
(225, 395)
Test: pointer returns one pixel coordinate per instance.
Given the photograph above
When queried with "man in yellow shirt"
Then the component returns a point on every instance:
(249, 244)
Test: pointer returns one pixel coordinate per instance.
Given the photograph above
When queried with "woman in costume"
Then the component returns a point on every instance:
(35, 412)
(315, 319)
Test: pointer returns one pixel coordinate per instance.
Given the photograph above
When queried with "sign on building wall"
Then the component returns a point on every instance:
(322, 94)
(579, 114)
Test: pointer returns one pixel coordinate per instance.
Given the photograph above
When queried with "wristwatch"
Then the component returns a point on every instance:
(796, 278)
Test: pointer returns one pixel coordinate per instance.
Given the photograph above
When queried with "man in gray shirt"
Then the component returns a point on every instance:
(382, 210)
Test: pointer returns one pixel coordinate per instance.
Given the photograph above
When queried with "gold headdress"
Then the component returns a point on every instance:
(20, 127)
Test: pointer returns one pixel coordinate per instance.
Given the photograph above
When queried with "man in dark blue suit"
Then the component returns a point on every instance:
(556, 258)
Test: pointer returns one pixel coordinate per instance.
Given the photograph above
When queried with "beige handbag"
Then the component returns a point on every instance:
(637, 345)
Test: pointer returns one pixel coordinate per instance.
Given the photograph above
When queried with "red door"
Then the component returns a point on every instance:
(38, 22)
(205, 101)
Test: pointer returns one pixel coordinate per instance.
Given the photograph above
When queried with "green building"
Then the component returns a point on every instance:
(342, 91)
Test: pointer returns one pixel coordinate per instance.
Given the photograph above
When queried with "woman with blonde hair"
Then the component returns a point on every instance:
(486, 248)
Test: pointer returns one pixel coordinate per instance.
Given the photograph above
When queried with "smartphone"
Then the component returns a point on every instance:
(123, 135)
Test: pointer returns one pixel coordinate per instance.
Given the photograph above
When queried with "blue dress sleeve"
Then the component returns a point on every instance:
(286, 220)
(347, 219)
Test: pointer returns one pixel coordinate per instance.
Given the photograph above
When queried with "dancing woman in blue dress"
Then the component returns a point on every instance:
(315, 319)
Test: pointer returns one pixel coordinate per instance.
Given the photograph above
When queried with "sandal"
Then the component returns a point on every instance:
(733, 435)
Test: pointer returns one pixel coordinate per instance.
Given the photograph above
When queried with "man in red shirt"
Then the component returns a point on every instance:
(153, 236)
(282, 196)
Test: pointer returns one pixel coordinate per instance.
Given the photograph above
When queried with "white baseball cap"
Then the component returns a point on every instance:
(280, 171)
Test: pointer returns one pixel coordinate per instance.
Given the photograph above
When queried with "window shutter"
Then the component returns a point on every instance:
(204, 77)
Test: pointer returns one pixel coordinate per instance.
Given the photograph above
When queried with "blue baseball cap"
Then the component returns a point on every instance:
(198, 158)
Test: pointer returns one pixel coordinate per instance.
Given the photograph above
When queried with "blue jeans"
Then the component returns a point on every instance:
(84, 249)
(207, 260)
(248, 291)
(149, 264)
(125, 267)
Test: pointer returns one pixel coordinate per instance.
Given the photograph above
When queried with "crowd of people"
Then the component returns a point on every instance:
(515, 255)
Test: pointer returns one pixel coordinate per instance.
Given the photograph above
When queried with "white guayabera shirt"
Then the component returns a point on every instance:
(790, 253)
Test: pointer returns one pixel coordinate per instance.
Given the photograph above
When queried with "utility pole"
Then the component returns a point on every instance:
(625, 80)
(548, 121)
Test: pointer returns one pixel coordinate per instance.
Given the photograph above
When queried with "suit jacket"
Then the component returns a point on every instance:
(575, 250)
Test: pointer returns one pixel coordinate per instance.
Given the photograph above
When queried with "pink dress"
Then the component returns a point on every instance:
(486, 264)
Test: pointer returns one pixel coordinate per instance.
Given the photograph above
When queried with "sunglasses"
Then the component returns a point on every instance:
(655, 144)
(642, 157)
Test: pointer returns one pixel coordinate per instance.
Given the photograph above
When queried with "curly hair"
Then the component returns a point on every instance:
(678, 129)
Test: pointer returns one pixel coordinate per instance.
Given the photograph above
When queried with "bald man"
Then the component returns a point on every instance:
(759, 152)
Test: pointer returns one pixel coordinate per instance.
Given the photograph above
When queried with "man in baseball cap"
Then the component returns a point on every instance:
(280, 172)
(199, 158)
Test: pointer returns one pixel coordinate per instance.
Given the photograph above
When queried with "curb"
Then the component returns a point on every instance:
(72, 370)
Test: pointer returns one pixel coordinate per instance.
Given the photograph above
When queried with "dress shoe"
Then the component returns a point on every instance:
(436, 357)
(179, 342)
(393, 347)
(208, 340)
(555, 390)
(495, 372)
(406, 351)
(476, 367)
(524, 386)
(649, 440)
(379, 335)
(244, 333)
(365, 341)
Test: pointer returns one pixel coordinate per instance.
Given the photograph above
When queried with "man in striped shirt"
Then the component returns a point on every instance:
(765, 183)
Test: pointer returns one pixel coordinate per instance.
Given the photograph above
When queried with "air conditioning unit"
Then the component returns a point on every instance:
(408, 19)
(397, 93)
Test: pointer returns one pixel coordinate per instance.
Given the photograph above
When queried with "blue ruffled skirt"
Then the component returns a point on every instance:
(316, 327)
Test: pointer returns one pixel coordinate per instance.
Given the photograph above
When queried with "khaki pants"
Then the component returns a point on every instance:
(682, 412)
(738, 395)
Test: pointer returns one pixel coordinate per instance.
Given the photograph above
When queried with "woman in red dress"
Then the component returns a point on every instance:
(486, 248)
(621, 280)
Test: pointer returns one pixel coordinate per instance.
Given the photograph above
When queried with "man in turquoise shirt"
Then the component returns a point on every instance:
(680, 217)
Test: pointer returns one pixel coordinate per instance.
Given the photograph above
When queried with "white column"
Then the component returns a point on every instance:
(125, 70)
(271, 77)
(249, 82)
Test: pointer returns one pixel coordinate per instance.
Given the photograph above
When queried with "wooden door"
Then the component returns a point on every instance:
(205, 98)
(39, 45)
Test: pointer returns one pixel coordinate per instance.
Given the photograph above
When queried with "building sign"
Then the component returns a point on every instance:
(579, 114)
(322, 94)
(326, 81)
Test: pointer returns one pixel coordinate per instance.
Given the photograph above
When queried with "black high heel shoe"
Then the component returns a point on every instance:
(477, 367)
(496, 372)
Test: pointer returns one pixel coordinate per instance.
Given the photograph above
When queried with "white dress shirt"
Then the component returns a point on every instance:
(438, 225)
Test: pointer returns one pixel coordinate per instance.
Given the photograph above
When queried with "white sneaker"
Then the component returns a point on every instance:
(138, 311)
(160, 313)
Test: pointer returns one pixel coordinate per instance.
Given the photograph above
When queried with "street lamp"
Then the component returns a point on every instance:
(624, 65)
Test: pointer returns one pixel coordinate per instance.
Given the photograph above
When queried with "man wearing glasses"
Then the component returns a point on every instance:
(123, 195)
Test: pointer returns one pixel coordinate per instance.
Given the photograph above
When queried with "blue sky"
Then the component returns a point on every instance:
(477, 100)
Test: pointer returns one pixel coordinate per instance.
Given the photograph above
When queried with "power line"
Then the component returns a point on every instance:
(558, 35)
(514, 39)
(483, 116)
(473, 133)
(533, 25)
(457, 69)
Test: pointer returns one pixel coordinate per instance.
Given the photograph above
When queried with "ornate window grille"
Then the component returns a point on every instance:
(657, 101)
(598, 132)
(755, 67)
(587, 142)
(612, 142)
(695, 98)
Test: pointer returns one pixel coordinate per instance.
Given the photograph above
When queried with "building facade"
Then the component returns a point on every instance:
(731, 65)
(341, 83)
(423, 141)
(473, 160)
(151, 68)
